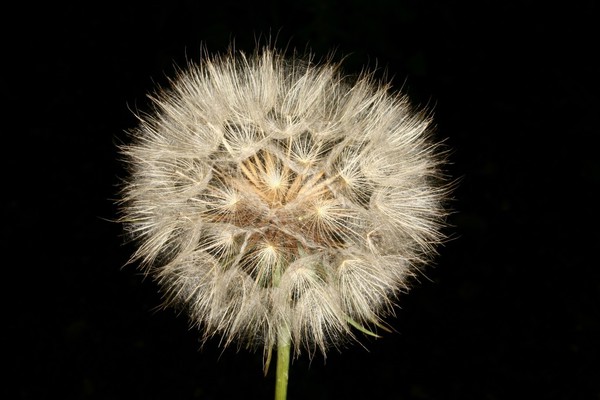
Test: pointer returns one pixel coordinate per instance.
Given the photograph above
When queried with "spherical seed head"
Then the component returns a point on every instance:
(268, 191)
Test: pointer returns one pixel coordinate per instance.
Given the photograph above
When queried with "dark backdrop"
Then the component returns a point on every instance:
(511, 307)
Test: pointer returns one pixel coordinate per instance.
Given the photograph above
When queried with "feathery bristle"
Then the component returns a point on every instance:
(270, 192)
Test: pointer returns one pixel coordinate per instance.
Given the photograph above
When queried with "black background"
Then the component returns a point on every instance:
(511, 308)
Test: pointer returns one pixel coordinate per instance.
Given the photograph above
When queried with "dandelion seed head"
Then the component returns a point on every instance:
(267, 191)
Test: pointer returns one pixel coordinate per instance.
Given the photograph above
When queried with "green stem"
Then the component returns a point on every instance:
(283, 363)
